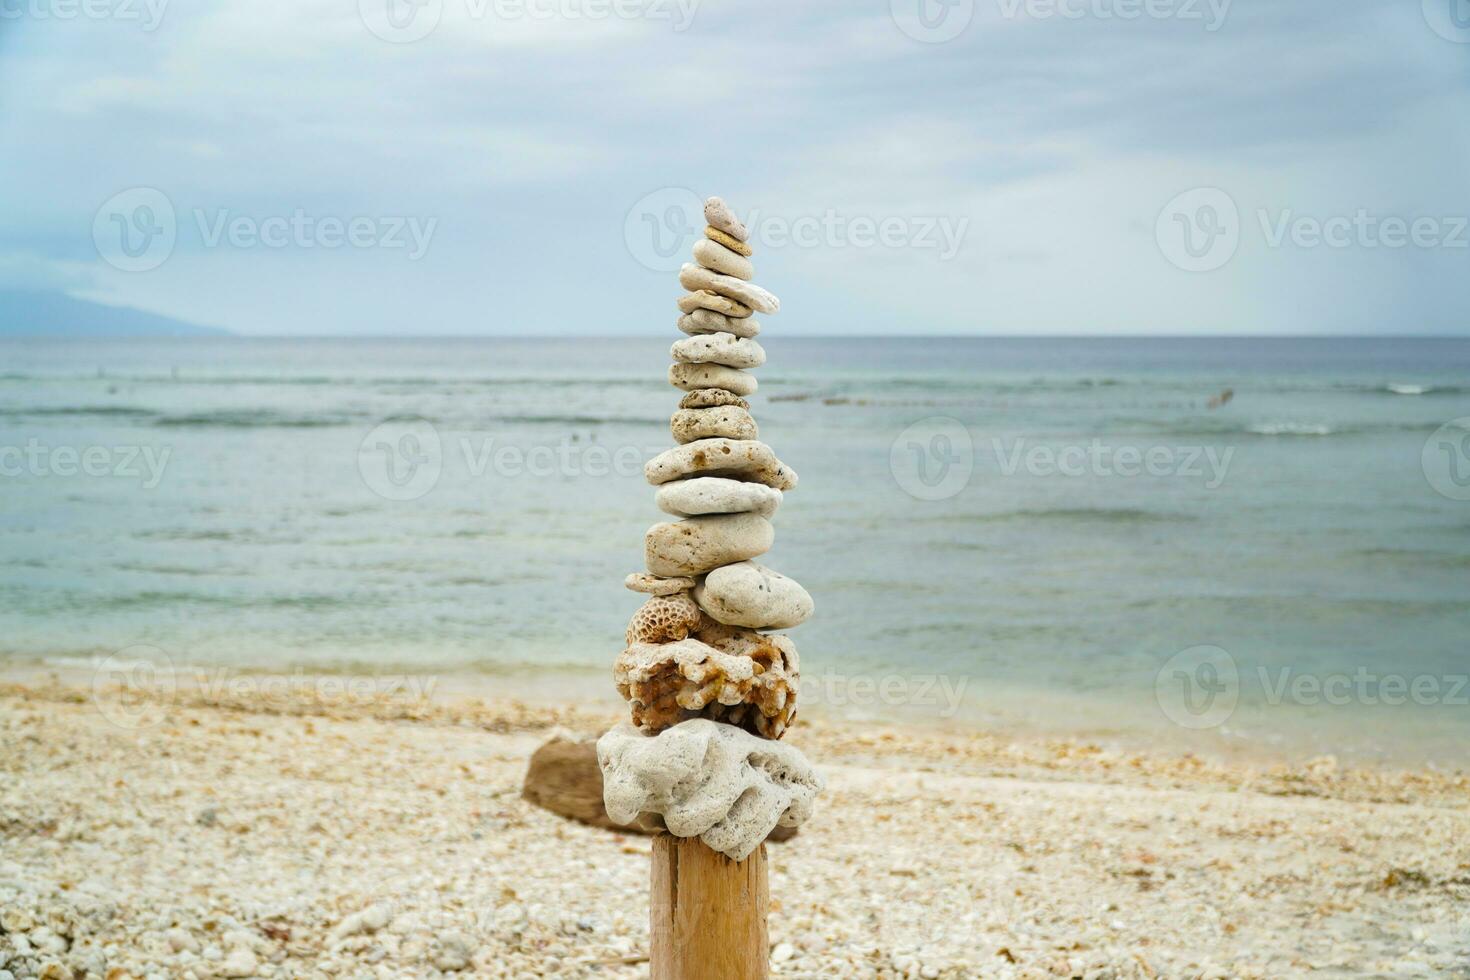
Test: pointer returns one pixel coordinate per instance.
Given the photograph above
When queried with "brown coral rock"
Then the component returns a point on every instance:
(663, 619)
(723, 421)
(712, 398)
(739, 677)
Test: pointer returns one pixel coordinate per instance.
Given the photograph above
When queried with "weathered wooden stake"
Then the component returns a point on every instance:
(708, 913)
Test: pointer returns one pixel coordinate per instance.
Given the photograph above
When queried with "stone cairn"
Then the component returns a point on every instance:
(710, 687)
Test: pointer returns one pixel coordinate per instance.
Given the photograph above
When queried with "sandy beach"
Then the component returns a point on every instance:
(258, 833)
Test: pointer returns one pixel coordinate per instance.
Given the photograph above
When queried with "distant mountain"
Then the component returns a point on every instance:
(26, 313)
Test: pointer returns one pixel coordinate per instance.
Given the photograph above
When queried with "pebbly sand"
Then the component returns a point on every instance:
(250, 834)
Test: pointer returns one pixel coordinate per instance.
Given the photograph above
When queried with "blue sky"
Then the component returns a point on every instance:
(526, 166)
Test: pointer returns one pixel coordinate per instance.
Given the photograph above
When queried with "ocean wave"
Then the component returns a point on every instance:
(254, 418)
(66, 411)
(1290, 429)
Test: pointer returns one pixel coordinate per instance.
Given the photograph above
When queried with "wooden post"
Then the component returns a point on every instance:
(708, 913)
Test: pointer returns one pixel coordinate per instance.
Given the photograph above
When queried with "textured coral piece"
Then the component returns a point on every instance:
(724, 673)
(663, 619)
(706, 780)
(712, 398)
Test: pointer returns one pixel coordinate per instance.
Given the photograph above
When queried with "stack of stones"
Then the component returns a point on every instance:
(698, 648)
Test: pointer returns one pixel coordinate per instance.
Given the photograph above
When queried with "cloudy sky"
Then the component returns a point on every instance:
(529, 166)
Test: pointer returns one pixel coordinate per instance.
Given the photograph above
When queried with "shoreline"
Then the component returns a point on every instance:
(247, 835)
(1407, 737)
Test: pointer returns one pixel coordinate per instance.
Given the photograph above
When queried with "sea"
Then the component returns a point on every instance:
(1260, 544)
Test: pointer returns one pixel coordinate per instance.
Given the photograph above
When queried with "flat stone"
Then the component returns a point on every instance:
(751, 595)
(716, 495)
(690, 377)
(719, 216)
(655, 585)
(695, 545)
(708, 321)
(742, 459)
(729, 241)
(710, 397)
(698, 279)
(703, 299)
(717, 258)
(719, 348)
(723, 421)
(707, 780)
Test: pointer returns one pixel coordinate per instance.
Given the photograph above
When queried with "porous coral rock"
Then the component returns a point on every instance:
(692, 376)
(720, 422)
(719, 348)
(720, 672)
(663, 619)
(712, 398)
(707, 780)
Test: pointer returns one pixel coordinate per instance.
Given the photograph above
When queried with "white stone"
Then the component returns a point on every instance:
(716, 495)
(719, 215)
(708, 321)
(751, 595)
(695, 545)
(697, 279)
(717, 258)
(692, 377)
(707, 780)
(719, 348)
(745, 459)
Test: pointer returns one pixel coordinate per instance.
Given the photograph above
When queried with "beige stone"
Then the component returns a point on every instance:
(691, 377)
(718, 258)
(698, 544)
(708, 321)
(703, 299)
(655, 585)
(719, 215)
(743, 459)
(724, 421)
(719, 348)
(698, 279)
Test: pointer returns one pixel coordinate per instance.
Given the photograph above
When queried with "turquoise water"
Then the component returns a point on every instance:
(238, 512)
